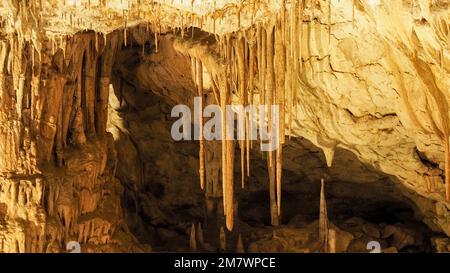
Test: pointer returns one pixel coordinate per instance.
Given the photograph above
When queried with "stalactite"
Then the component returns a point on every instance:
(215, 89)
(234, 70)
(125, 28)
(250, 91)
(199, 67)
(323, 218)
(299, 42)
(192, 26)
(182, 27)
(252, 9)
(227, 144)
(194, 70)
(329, 23)
(241, 85)
(290, 90)
(259, 59)
(283, 21)
(238, 13)
(353, 13)
(447, 167)
(156, 40)
(32, 59)
(125, 34)
(96, 43)
(52, 41)
(245, 40)
(329, 155)
(263, 66)
(292, 58)
(280, 100)
(223, 104)
(270, 88)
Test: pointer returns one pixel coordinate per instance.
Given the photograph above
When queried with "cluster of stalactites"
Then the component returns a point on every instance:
(263, 65)
(266, 60)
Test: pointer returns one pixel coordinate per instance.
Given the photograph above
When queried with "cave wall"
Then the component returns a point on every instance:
(58, 166)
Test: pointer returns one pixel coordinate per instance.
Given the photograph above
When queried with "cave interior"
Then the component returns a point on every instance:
(88, 90)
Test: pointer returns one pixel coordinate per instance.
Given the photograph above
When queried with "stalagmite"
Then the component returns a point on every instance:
(192, 239)
(323, 218)
(222, 240)
(200, 240)
(230, 185)
(240, 244)
(331, 246)
(201, 155)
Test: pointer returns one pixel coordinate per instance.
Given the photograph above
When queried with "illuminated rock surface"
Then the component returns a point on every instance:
(86, 89)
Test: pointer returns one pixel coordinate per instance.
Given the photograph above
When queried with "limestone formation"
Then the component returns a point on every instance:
(86, 89)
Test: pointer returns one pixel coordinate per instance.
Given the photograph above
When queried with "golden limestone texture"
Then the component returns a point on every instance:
(370, 77)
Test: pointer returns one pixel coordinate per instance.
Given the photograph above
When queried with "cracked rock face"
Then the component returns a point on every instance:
(361, 76)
